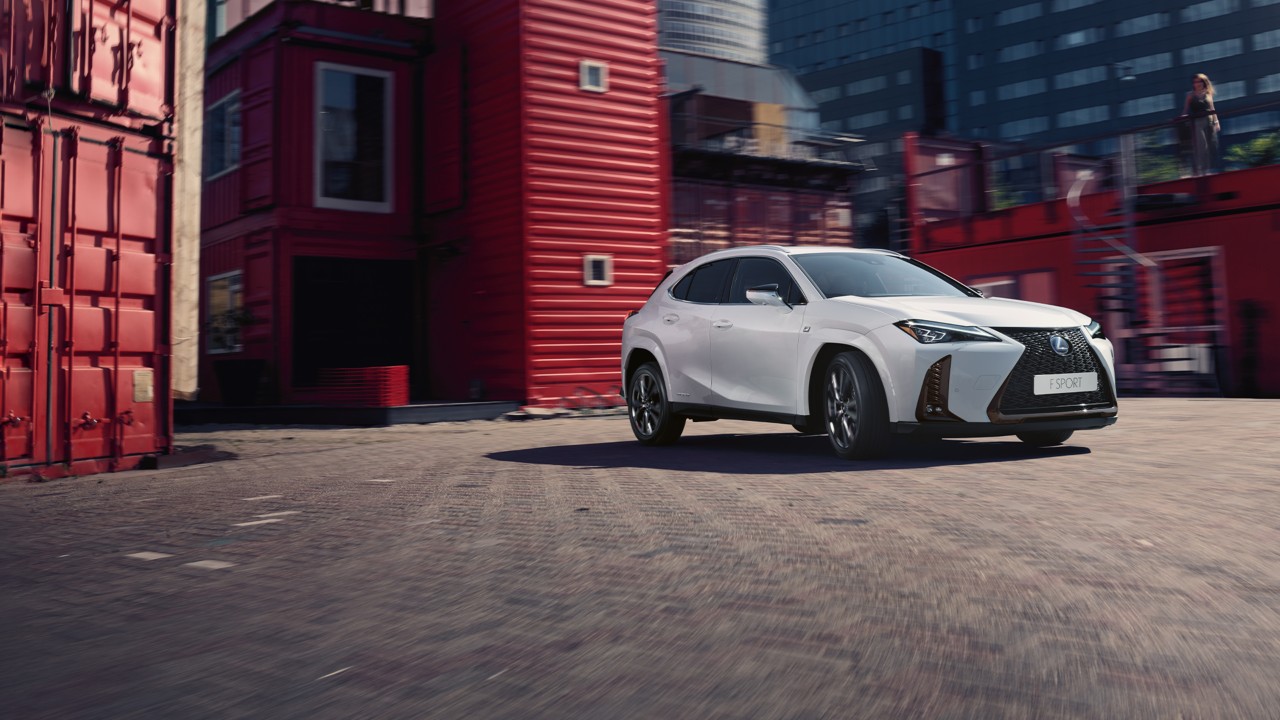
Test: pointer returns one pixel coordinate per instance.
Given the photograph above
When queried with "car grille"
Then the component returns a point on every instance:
(1018, 396)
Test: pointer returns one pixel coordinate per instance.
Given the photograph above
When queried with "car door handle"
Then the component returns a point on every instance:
(722, 324)
(670, 318)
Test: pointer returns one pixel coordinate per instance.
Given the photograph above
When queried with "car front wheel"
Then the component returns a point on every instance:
(857, 416)
(652, 420)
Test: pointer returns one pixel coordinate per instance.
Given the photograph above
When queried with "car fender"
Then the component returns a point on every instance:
(865, 343)
(641, 340)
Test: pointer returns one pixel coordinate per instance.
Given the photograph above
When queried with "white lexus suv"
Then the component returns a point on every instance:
(861, 345)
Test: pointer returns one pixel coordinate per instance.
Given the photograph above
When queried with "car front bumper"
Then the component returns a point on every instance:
(985, 388)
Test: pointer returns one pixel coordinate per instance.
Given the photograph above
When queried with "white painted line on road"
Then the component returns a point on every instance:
(335, 672)
(495, 675)
(258, 522)
(148, 555)
(282, 512)
(262, 497)
(379, 480)
(209, 564)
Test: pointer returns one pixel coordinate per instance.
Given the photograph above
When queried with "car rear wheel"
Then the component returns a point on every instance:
(652, 420)
(857, 416)
(1046, 438)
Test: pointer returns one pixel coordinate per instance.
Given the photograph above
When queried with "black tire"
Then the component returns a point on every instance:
(1045, 438)
(652, 420)
(855, 411)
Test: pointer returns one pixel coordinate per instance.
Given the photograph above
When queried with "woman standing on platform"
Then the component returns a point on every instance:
(1202, 119)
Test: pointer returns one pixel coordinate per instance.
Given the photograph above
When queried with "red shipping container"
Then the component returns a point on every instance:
(84, 302)
(103, 59)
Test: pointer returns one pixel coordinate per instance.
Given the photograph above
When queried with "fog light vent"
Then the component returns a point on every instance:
(934, 392)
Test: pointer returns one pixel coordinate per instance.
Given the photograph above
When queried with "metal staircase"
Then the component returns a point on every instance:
(1160, 312)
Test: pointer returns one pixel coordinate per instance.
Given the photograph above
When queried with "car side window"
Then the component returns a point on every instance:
(754, 272)
(704, 284)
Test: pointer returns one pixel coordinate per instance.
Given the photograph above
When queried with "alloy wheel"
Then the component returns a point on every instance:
(842, 406)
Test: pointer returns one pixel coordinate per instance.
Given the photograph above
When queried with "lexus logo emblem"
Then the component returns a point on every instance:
(1059, 344)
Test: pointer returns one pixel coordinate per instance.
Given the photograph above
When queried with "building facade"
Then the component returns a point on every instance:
(478, 198)
(751, 163)
(1039, 72)
(727, 29)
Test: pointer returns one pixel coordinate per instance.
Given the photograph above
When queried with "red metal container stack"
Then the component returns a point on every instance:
(85, 163)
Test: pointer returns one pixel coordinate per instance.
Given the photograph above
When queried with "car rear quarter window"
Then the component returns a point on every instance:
(705, 284)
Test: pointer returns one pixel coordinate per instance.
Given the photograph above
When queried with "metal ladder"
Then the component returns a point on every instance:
(1150, 356)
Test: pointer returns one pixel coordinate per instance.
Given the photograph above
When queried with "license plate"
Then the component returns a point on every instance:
(1068, 383)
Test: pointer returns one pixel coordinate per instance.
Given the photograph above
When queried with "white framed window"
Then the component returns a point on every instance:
(597, 270)
(353, 137)
(222, 136)
(218, 19)
(224, 312)
(593, 76)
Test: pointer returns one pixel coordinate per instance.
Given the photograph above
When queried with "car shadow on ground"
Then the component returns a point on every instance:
(782, 453)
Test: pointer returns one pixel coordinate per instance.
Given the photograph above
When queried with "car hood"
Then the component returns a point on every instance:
(981, 311)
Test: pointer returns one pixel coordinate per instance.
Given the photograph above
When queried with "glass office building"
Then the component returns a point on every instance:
(1037, 72)
(728, 29)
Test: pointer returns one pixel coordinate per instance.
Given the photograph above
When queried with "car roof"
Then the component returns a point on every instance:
(792, 250)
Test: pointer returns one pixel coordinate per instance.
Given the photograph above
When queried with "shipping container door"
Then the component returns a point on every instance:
(17, 296)
(109, 360)
(120, 53)
(17, 345)
(82, 303)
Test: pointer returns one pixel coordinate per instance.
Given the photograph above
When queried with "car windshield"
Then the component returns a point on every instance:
(876, 275)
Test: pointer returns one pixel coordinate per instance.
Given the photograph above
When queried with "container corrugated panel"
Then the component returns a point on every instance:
(385, 386)
(104, 59)
(476, 282)
(84, 371)
(595, 186)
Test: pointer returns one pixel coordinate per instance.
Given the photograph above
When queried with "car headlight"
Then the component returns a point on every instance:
(929, 332)
(1094, 329)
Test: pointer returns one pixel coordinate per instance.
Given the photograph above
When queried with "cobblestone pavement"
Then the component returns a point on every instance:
(557, 569)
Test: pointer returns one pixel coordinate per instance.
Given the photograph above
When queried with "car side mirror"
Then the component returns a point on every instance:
(767, 295)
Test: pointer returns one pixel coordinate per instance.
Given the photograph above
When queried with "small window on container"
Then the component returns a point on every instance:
(593, 76)
(353, 138)
(225, 314)
(222, 137)
(597, 270)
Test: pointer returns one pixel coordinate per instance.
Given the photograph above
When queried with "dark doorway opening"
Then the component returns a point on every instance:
(350, 313)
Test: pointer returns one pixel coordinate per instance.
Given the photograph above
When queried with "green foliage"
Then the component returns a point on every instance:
(1262, 150)
(1157, 167)
(1001, 195)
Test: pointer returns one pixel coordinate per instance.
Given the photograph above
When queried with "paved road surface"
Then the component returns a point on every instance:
(556, 569)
